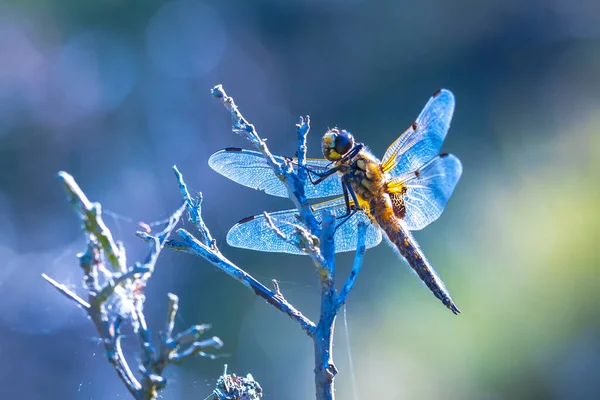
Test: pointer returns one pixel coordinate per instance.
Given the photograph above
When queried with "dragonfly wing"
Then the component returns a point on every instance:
(427, 191)
(249, 168)
(423, 140)
(254, 233)
(346, 235)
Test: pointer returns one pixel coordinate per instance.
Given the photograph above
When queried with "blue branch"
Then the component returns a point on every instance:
(361, 248)
(116, 295)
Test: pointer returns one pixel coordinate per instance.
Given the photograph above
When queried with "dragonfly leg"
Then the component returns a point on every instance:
(350, 211)
(346, 218)
(321, 175)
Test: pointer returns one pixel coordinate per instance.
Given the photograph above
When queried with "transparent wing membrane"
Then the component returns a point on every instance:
(423, 140)
(428, 190)
(250, 169)
(255, 234)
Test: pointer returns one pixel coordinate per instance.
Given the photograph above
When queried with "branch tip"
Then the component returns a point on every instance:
(218, 92)
(67, 292)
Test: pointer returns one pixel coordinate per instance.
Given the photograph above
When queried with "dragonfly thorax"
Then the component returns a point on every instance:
(336, 144)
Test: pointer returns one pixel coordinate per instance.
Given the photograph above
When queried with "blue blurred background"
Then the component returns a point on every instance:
(116, 92)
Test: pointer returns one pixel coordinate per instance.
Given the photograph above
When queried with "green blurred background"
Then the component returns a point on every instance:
(116, 92)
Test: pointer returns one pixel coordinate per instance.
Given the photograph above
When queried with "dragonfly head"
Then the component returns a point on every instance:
(336, 143)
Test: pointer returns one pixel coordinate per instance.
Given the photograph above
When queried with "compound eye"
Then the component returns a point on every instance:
(343, 142)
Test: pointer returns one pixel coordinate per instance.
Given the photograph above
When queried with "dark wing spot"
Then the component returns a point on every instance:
(233, 149)
(247, 219)
(444, 155)
(436, 94)
(418, 173)
(398, 204)
(414, 126)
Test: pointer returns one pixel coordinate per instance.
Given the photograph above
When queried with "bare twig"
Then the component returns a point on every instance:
(90, 214)
(197, 348)
(161, 238)
(116, 295)
(191, 245)
(301, 238)
(285, 172)
(361, 248)
(245, 129)
(302, 128)
(68, 293)
(172, 308)
(194, 209)
(191, 334)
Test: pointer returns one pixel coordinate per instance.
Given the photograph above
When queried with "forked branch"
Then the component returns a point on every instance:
(116, 295)
(207, 249)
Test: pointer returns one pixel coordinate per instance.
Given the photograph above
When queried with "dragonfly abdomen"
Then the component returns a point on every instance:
(403, 241)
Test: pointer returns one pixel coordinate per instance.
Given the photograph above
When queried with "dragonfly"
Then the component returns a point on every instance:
(404, 191)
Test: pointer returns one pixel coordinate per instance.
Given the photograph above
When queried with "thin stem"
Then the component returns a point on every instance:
(90, 214)
(190, 334)
(172, 308)
(67, 293)
(302, 128)
(194, 246)
(194, 209)
(161, 238)
(197, 348)
(122, 367)
(285, 172)
(325, 369)
(244, 128)
(358, 259)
